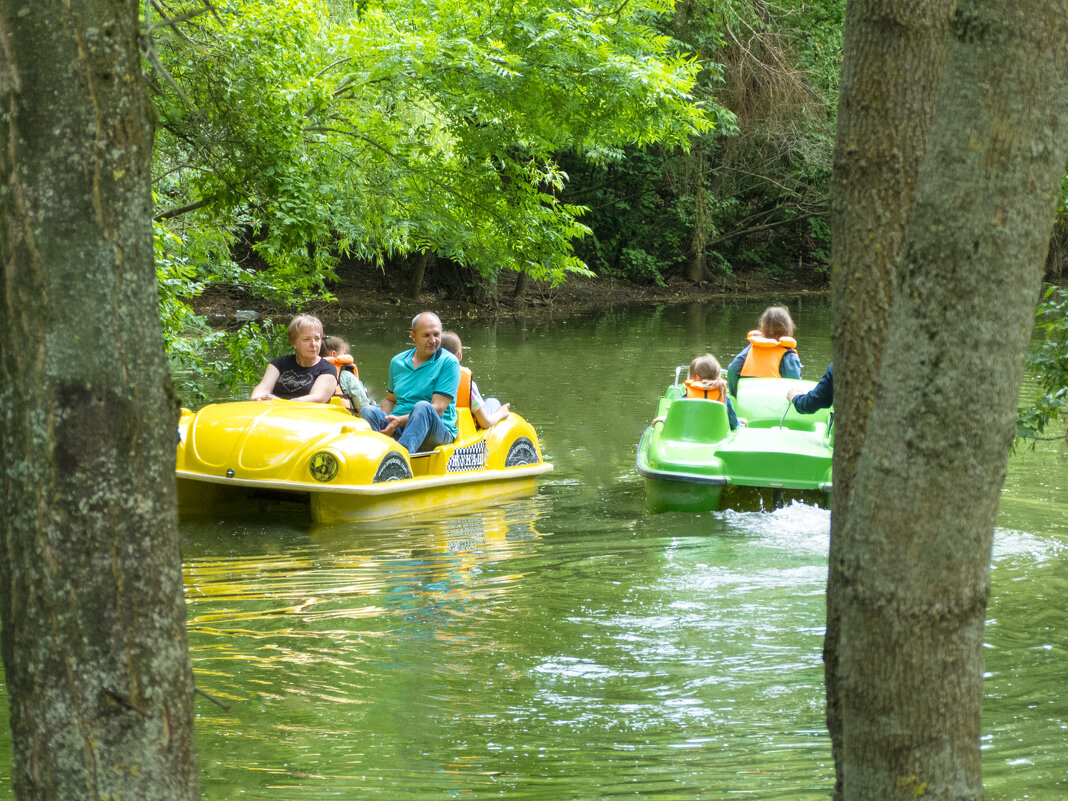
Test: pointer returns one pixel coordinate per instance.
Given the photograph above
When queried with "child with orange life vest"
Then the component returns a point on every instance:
(486, 411)
(706, 381)
(336, 350)
(771, 352)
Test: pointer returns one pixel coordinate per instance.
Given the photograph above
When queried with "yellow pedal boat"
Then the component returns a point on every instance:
(278, 455)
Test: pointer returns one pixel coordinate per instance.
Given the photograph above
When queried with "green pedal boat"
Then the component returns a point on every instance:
(693, 462)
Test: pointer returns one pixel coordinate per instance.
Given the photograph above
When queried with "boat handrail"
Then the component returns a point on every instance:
(786, 411)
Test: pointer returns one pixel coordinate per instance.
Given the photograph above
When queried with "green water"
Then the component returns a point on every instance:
(571, 645)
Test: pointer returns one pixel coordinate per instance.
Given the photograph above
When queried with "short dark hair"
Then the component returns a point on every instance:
(415, 320)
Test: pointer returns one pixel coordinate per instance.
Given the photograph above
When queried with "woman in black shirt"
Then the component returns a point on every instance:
(303, 375)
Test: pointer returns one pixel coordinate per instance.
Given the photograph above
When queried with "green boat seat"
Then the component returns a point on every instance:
(696, 420)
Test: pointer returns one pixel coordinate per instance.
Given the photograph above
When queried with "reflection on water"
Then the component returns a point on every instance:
(478, 654)
(570, 645)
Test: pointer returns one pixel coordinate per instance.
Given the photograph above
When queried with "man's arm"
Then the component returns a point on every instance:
(446, 386)
(392, 420)
(440, 402)
(819, 397)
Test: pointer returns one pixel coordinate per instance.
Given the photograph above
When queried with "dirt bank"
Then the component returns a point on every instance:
(358, 296)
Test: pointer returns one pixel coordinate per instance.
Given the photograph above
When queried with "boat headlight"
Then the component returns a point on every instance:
(323, 466)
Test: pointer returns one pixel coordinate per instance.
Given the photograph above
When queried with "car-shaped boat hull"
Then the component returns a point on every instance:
(278, 456)
(693, 462)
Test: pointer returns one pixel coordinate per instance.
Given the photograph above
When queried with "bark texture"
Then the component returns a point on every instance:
(91, 602)
(893, 56)
(910, 568)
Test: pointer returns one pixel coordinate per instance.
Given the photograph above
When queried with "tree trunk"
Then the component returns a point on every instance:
(479, 290)
(522, 284)
(415, 278)
(893, 53)
(911, 551)
(697, 264)
(91, 601)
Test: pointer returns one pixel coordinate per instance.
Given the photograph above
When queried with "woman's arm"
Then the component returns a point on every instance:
(264, 389)
(322, 390)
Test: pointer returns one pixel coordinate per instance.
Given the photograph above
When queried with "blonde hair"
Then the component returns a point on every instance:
(300, 323)
(776, 322)
(450, 341)
(705, 368)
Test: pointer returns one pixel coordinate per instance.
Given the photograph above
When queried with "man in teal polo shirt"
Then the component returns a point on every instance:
(419, 409)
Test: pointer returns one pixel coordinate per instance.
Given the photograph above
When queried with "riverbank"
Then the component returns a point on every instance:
(357, 295)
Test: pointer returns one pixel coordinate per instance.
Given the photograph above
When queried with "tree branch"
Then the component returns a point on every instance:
(215, 701)
(763, 227)
(166, 215)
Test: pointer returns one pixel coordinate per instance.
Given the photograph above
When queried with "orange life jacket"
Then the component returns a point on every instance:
(463, 394)
(340, 363)
(703, 388)
(344, 360)
(765, 354)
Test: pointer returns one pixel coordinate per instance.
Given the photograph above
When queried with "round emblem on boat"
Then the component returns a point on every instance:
(522, 452)
(393, 467)
(323, 466)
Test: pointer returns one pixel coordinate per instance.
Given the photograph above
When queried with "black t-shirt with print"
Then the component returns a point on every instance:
(294, 380)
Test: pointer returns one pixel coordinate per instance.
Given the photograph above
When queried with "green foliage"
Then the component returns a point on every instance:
(640, 265)
(187, 336)
(814, 31)
(294, 132)
(819, 229)
(192, 360)
(231, 87)
(1050, 361)
(752, 191)
(209, 364)
(250, 348)
(408, 127)
(640, 225)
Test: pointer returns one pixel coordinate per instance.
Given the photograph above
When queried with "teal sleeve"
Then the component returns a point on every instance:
(448, 382)
(790, 365)
(734, 369)
(391, 382)
(732, 417)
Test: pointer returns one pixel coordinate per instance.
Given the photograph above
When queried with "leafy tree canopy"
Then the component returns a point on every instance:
(316, 129)
(750, 194)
